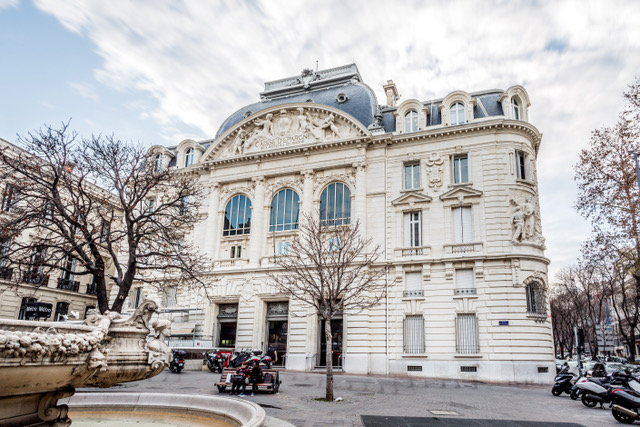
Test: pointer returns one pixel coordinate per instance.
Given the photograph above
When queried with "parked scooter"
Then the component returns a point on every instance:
(216, 361)
(596, 390)
(264, 360)
(563, 382)
(238, 357)
(625, 407)
(177, 361)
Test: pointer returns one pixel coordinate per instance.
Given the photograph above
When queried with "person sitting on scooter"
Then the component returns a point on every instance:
(239, 380)
(256, 377)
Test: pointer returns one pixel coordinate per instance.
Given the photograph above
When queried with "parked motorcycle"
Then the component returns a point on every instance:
(563, 382)
(263, 359)
(596, 390)
(177, 361)
(238, 357)
(625, 407)
(216, 361)
(249, 356)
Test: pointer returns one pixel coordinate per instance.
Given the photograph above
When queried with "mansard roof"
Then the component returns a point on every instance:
(339, 87)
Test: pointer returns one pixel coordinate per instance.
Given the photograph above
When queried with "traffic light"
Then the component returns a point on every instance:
(580, 340)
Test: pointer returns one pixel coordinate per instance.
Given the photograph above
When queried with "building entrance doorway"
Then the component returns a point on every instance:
(277, 329)
(336, 344)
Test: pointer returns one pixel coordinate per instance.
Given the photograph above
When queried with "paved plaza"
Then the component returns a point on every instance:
(393, 401)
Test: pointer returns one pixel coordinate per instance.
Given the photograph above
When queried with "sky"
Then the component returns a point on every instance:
(158, 72)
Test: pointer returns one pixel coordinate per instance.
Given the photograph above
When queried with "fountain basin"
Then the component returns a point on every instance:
(162, 409)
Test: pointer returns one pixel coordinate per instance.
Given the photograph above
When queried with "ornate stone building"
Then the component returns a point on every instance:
(447, 187)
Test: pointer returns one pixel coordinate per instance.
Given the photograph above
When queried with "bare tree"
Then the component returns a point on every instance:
(331, 268)
(96, 206)
(608, 196)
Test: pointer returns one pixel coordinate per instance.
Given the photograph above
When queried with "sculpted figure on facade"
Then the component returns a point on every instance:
(240, 143)
(526, 221)
(435, 171)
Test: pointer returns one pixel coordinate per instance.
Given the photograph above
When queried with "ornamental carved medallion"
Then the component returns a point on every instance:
(435, 171)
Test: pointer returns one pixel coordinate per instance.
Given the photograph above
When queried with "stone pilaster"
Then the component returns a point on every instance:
(307, 193)
(258, 232)
(212, 234)
(361, 196)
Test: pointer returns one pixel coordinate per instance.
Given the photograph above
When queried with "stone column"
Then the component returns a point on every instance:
(361, 196)
(307, 194)
(257, 229)
(212, 234)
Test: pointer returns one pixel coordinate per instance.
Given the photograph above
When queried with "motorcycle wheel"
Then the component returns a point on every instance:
(212, 368)
(556, 391)
(586, 401)
(172, 368)
(622, 418)
(575, 394)
(178, 370)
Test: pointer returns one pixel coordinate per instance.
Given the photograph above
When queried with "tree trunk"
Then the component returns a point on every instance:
(101, 293)
(328, 351)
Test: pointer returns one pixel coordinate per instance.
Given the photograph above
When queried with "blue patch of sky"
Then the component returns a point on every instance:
(556, 45)
(41, 59)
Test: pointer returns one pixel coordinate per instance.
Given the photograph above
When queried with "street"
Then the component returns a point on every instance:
(440, 402)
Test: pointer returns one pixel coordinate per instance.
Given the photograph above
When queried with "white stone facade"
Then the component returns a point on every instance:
(449, 194)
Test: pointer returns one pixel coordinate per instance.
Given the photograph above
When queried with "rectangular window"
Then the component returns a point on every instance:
(236, 251)
(183, 209)
(5, 248)
(521, 165)
(283, 248)
(135, 297)
(151, 205)
(461, 169)
(467, 334)
(412, 229)
(414, 334)
(464, 282)
(412, 176)
(334, 244)
(8, 198)
(413, 285)
(171, 296)
(62, 308)
(462, 225)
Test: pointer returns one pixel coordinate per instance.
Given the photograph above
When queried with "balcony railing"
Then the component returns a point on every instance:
(6, 273)
(36, 278)
(413, 251)
(415, 293)
(466, 291)
(92, 289)
(68, 284)
(462, 248)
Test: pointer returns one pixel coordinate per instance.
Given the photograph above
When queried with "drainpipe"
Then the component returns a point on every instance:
(386, 268)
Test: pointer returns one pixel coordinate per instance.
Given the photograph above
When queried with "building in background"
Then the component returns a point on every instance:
(447, 188)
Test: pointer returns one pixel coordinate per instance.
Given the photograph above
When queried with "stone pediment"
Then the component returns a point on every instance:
(283, 127)
(410, 199)
(460, 194)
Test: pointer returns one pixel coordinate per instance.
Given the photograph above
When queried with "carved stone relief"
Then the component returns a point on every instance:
(278, 184)
(289, 127)
(227, 190)
(525, 220)
(342, 177)
(435, 171)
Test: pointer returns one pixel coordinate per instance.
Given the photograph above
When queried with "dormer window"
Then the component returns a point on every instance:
(157, 163)
(188, 157)
(515, 109)
(457, 114)
(411, 121)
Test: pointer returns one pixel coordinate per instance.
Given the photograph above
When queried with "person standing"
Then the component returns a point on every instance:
(273, 354)
(256, 377)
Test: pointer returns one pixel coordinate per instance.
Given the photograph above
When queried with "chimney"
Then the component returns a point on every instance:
(392, 93)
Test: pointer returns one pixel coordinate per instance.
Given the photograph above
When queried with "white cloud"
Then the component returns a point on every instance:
(86, 90)
(5, 4)
(203, 60)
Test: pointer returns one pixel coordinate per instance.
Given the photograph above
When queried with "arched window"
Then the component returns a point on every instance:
(284, 211)
(515, 109)
(157, 163)
(237, 216)
(411, 121)
(457, 114)
(188, 157)
(335, 205)
(536, 303)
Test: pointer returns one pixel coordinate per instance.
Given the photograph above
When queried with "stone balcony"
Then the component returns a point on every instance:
(457, 249)
(413, 251)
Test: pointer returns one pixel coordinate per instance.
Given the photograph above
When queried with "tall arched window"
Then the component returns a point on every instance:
(515, 109)
(188, 157)
(411, 121)
(157, 163)
(457, 114)
(335, 205)
(284, 211)
(237, 216)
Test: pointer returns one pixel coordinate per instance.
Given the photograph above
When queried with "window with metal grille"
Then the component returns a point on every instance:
(464, 281)
(411, 368)
(171, 296)
(462, 225)
(535, 299)
(413, 285)
(543, 369)
(468, 369)
(467, 334)
(414, 334)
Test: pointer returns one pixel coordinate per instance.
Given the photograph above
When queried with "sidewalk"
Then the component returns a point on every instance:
(446, 401)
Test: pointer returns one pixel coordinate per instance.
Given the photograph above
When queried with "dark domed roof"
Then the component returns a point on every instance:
(340, 88)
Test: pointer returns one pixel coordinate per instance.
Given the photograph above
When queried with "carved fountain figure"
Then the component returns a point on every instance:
(42, 362)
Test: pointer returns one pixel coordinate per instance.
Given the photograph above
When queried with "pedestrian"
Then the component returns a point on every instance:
(239, 379)
(273, 354)
(256, 377)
